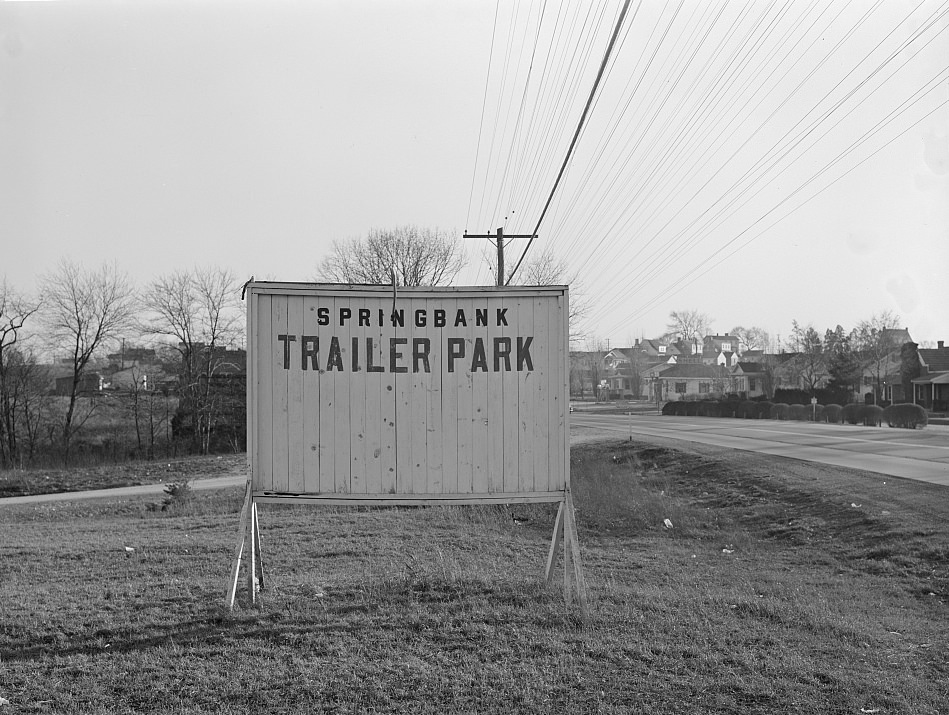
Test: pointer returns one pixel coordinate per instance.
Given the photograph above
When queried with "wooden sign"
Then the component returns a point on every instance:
(375, 394)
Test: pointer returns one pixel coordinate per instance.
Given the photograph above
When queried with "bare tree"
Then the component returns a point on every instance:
(418, 256)
(752, 338)
(809, 364)
(15, 310)
(200, 310)
(689, 325)
(85, 310)
(546, 269)
(877, 344)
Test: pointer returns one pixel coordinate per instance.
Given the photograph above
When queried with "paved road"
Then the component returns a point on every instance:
(124, 492)
(912, 454)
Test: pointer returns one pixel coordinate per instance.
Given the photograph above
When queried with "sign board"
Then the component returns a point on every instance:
(407, 395)
(375, 394)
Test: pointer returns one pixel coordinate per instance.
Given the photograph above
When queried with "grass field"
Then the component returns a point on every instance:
(783, 587)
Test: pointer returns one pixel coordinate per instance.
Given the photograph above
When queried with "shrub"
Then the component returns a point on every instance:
(763, 410)
(728, 408)
(791, 396)
(708, 409)
(669, 409)
(691, 408)
(851, 414)
(747, 410)
(816, 413)
(872, 415)
(832, 413)
(798, 412)
(179, 496)
(906, 416)
(779, 411)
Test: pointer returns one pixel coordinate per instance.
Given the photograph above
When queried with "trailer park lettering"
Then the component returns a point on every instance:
(308, 352)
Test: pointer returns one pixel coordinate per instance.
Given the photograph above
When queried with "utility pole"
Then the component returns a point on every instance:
(499, 242)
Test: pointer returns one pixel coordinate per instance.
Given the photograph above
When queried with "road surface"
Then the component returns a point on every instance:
(912, 454)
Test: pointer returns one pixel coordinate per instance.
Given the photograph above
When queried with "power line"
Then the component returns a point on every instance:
(576, 134)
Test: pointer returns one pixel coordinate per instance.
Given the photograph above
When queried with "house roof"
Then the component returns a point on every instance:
(937, 378)
(748, 367)
(693, 370)
(898, 335)
(936, 359)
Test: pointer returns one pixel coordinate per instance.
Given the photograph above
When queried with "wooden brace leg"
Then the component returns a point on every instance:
(239, 550)
(554, 545)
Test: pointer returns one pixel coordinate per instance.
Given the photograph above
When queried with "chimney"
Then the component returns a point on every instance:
(941, 344)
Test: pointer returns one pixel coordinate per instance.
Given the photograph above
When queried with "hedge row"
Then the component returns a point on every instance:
(903, 415)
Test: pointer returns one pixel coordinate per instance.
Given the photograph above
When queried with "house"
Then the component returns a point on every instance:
(931, 388)
(623, 368)
(617, 374)
(690, 380)
(90, 384)
(750, 379)
(881, 368)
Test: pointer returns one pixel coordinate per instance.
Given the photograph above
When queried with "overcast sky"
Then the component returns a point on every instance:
(759, 162)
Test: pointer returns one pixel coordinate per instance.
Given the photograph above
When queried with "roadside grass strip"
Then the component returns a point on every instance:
(734, 584)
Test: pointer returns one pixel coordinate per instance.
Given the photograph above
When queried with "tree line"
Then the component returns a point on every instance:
(78, 314)
(191, 317)
(835, 362)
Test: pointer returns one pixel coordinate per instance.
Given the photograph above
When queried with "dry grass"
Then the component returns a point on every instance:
(771, 593)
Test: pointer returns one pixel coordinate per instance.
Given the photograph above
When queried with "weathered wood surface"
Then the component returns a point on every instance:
(471, 401)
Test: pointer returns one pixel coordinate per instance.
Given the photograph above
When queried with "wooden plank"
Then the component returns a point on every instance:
(388, 407)
(557, 395)
(404, 412)
(563, 404)
(239, 550)
(251, 558)
(571, 526)
(340, 290)
(332, 499)
(507, 371)
(567, 557)
(555, 541)
(255, 521)
(356, 377)
(327, 411)
(435, 433)
(264, 474)
(526, 394)
(295, 399)
(479, 410)
(540, 390)
(375, 389)
(312, 380)
(342, 406)
(251, 382)
(279, 385)
(418, 397)
(495, 405)
(452, 388)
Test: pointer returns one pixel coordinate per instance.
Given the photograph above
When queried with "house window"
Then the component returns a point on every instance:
(727, 347)
(703, 387)
(662, 349)
(867, 380)
(752, 384)
(680, 388)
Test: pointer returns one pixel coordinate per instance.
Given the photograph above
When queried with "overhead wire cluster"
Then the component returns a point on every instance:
(713, 122)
